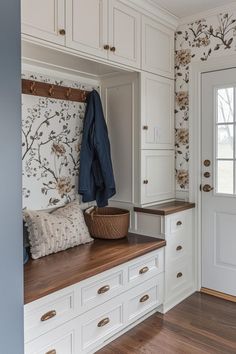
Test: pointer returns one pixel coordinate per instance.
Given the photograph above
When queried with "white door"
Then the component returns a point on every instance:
(219, 181)
(44, 19)
(157, 48)
(124, 34)
(87, 26)
(157, 112)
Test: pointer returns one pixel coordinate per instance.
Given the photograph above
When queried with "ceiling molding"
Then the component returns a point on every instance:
(204, 14)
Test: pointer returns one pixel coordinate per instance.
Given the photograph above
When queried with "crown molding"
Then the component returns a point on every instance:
(208, 13)
(151, 9)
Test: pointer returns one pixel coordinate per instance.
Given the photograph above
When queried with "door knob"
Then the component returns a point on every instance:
(207, 188)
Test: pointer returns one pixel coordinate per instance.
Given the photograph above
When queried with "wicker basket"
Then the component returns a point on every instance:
(107, 223)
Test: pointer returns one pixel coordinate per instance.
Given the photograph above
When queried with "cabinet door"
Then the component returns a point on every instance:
(124, 34)
(157, 112)
(157, 48)
(44, 19)
(87, 26)
(157, 176)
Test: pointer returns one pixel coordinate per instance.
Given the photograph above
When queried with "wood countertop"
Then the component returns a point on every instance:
(57, 271)
(166, 208)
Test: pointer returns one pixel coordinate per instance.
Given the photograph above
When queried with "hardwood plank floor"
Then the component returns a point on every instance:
(200, 324)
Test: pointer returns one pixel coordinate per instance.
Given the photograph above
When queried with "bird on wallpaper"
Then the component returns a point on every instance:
(96, 177)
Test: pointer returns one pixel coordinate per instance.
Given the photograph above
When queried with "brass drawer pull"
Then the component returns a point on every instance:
(179, 248)
(48, 315)
(52, 352)
(144, 270)
(144, 298)
(145, 181)
(179, 275)
(106, 47)
(179, 223)
(62, 32)
(103, 289)
(103, 322)
(145, 127)
(113, 49)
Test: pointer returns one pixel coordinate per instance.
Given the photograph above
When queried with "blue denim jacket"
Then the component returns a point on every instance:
(96, 179)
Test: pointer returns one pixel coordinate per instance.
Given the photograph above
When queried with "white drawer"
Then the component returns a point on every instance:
(63, 340)
(180, 222)
(179, 245)
(101, 323)
(145, 297)
(179, 277)
(45, 314)
(146, 267)
(95, 292)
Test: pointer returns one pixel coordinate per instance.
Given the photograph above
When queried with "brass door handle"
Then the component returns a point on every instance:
(144, 270)
(113, 49)
(106, 47)
(207, 188)
(179, 275)
(179, 248)
(103, 322)
(62, 32)
(144, 298)
(104, 289)
(53, 351)
(48, 315)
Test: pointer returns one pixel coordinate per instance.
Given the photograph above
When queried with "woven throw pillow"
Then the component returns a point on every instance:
(56, 231)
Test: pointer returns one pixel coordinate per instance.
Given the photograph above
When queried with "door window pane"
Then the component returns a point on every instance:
(225, 140)
(225, 103)
(225, 177)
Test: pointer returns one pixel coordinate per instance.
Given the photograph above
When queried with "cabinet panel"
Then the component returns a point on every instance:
(124, 34)
(157, 182)
(44, 19)
(157, 111)
(157, 48)
(87, 26)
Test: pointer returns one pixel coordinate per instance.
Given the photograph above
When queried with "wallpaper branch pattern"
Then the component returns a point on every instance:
(199, 40)
(51, 139)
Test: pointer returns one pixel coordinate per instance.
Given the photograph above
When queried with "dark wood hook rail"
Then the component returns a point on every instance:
(36, 88)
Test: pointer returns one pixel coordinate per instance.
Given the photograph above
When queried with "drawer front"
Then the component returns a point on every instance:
(63, 340)
(178, 277)
(146, 267)
(101, 323)
(94, 293)
(180, 222)
(47, 313)
(179, 245)
(145, 297)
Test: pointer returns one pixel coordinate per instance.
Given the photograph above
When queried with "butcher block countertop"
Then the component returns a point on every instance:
(57, 271)
(166, 208)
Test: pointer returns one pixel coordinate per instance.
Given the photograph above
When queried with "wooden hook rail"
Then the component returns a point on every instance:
(42, 89)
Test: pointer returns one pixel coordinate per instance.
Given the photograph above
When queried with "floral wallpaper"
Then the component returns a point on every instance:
(199, 40)
(51, 139)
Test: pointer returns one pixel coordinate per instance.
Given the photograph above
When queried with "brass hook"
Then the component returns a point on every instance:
(33, 88)
(50, 91)
(68, 93)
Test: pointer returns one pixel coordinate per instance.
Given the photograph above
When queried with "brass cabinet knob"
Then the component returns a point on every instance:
(207, 163)
(145, 127)
(144, 298)
(103, 322)
(207, 188)
(179, 223)
(144, 270)
(179, 248)
(103, 289)
(113, 49)
(106, 47)
(145, 181)
(48, 315)
(207, 174)
(53, 351)
(179, 275)
(62, 32)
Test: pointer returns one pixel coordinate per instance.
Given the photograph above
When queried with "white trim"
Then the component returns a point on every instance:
(204, 14)
(196, 69)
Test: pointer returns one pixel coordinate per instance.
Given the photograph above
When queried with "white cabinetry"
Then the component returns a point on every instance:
(157, 48)
(44, 19)
(157, 112)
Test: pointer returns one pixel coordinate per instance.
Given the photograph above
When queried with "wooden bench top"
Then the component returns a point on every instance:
(166, 208)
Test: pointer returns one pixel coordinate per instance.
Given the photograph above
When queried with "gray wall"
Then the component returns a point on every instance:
(11, 264)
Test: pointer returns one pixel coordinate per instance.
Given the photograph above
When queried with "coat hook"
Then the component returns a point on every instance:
(68, 93)
(50, 91)
(33, 88)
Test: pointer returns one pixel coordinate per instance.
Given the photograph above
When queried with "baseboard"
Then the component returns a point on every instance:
(218, 294)
(168, 305)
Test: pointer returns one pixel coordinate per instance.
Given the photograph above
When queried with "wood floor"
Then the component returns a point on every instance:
(200, 324)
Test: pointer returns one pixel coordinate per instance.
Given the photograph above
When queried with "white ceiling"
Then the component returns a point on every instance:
(183, 8)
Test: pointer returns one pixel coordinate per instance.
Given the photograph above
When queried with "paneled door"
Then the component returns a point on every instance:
(219, 181)
(87, 26)
(124, 34)
(44, 19)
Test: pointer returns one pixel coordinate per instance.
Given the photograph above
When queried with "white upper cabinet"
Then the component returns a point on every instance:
(44, 19)
(157, 48)
(157, 112)
(124, 34)
(86, 25)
